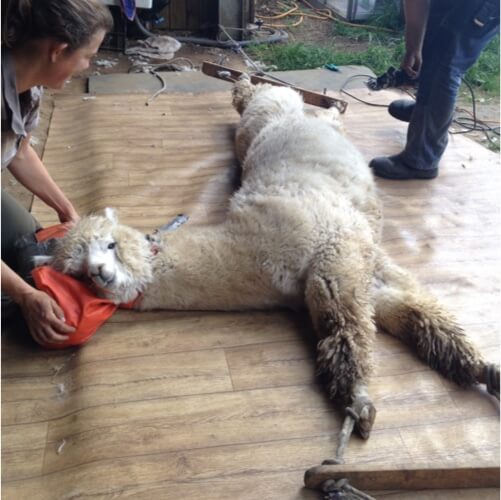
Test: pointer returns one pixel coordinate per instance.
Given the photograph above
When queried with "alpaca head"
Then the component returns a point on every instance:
(265, 98)
(242, 93)
(115, 259)
(260, 105)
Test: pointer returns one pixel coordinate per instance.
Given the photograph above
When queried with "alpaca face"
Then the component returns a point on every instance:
(115, 259)
(102, 264)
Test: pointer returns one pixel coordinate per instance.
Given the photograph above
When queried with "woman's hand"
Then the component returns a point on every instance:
(44, 317)
(69, 217)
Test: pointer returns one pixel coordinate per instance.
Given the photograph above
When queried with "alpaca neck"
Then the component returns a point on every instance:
(206, 268)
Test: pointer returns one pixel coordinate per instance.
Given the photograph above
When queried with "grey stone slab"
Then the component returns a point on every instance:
(320, 79)
(196, 82)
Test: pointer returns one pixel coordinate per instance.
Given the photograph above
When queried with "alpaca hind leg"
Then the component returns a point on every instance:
(338, 300)
(405, 310)
(361, 413)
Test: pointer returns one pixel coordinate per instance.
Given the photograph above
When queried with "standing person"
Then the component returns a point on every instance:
(44, 43)
(443, 39)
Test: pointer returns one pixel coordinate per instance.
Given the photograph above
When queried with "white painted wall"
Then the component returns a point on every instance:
(140, 4)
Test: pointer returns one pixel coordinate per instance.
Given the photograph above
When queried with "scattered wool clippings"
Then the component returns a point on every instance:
(60, 447)
(106, 63)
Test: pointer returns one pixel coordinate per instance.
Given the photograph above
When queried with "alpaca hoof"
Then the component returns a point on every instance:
(364, 414)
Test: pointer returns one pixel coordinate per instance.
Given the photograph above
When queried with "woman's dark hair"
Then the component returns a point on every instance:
(70, 21)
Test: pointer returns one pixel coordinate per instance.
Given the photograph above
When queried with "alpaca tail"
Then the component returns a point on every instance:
(405, 310)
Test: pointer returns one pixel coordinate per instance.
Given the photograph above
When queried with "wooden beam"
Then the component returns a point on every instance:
(364, 477)
(309, 97)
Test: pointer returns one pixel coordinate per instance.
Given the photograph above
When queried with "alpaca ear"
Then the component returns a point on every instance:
(110, 214)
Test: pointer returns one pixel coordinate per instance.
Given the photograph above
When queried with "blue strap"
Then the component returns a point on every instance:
(129, 9)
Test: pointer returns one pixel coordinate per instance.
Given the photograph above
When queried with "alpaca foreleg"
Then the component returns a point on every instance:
(338, 299)
(407, 311)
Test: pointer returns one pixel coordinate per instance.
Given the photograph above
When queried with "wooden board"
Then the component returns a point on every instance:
(368, 477)
(225, 405)
(309, 97)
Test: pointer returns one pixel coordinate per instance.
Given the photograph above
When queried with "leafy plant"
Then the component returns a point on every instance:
(378, 56)
(387, 16)
(293, 56)
(485, 73)
(305, 56)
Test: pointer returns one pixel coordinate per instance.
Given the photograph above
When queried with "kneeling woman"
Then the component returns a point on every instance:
(44, 43)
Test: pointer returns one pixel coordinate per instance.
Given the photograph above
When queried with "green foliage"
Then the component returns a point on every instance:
(384, 48)
(377, 57)
(361, 34)
(388, 16)
(304, 56)
(379, 50)
(485, 73)
(293, 55)
(493, 146)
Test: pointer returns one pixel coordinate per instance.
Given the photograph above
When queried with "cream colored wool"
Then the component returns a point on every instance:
(302, 231)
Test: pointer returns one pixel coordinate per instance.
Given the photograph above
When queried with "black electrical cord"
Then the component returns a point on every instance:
(353, 77)
(273, 37)
(473, 124)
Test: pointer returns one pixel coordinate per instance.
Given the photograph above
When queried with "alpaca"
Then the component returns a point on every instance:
(303, 230)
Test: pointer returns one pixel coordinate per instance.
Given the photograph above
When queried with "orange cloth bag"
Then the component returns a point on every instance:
(82, 309)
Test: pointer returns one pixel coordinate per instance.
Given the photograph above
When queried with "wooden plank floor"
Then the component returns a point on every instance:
(177, 405)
